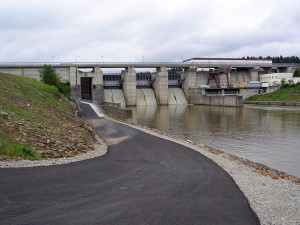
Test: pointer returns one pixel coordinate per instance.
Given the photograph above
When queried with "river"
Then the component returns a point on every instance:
(268, 135)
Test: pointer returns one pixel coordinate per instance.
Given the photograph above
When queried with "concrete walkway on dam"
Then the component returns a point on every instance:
(142, 179)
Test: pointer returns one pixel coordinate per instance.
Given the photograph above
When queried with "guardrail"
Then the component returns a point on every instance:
(142, 64)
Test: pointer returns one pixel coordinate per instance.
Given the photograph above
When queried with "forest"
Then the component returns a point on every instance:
(277, 59)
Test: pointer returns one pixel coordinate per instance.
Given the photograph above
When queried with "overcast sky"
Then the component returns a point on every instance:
(156, 30)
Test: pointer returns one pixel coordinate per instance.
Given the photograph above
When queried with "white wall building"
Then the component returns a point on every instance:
(275, 79)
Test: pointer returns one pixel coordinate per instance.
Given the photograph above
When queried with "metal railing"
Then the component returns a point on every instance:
(144, 64)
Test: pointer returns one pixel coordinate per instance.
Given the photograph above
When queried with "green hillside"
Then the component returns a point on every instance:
(287, 93)
(37, 122)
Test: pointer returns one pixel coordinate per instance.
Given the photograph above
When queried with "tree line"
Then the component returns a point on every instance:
(277, 59)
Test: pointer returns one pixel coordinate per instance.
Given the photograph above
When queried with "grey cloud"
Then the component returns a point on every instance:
(157, 30)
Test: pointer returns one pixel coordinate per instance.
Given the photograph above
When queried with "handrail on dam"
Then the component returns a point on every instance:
(144, 64)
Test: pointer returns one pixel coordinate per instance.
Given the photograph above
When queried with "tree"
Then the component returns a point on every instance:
(49, 76)
(283, 82)
(296, 73)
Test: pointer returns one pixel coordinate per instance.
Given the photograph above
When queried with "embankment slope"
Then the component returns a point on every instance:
(38, 116)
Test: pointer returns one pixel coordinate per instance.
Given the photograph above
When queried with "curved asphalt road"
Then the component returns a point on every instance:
(141, 180)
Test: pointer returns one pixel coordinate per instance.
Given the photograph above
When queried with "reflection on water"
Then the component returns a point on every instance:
(269, 135)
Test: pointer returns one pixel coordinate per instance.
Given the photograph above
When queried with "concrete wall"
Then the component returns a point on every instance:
(247, 92)
(64, 74)
(233, 100)
(235, 78)
(129, 86)
(198, 98)
(160, 86)
(201, 78)
(15, 71)
(34, 73)
(253, 73)
(97, 83)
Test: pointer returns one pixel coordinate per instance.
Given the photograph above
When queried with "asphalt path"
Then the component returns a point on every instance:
(141, 180)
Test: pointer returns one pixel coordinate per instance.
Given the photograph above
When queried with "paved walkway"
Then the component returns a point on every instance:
(141, 180)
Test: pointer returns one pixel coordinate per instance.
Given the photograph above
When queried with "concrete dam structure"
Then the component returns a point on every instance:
(169, 84)
(145, 96)
(114, 96)
(176, 97)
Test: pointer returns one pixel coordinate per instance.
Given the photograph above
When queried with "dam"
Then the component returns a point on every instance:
(172, 83)
(146, 90)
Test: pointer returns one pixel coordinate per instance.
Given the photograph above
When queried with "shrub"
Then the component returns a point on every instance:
(296, 73)
(49, 76)
(64, 88)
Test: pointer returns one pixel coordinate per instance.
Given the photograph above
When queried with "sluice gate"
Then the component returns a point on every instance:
(112, 80)
(174, 79)
(144, 80)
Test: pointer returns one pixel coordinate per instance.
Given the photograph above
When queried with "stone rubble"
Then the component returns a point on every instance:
(99, 149)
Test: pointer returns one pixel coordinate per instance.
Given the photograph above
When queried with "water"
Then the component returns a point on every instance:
(268, 135)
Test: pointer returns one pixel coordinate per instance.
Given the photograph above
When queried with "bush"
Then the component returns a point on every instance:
(65, 89)
(49, 76)
(283, 82)
(296, 73)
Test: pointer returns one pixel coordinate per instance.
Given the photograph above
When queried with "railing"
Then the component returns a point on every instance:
(144, 64)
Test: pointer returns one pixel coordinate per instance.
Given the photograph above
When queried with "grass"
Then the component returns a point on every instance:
(287, 93)
(14, 148)
(40, 121)
(19, 88)
(27, 101)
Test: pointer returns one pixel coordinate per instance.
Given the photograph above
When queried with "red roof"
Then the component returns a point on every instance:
(225, 59)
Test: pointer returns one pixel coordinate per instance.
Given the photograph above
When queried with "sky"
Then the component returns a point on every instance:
(144, 30)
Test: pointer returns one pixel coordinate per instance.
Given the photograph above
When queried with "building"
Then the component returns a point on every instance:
(275, 79)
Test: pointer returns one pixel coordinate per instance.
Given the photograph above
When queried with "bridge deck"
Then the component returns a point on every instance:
(140, 64)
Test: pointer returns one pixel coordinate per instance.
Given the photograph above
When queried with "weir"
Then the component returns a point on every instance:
(114, 96)
(145, 96)
(176, 97)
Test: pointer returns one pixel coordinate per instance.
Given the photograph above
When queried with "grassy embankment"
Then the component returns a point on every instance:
(40, 123)
(287, 93)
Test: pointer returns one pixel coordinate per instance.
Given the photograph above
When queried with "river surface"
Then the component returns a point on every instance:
(268, 135)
